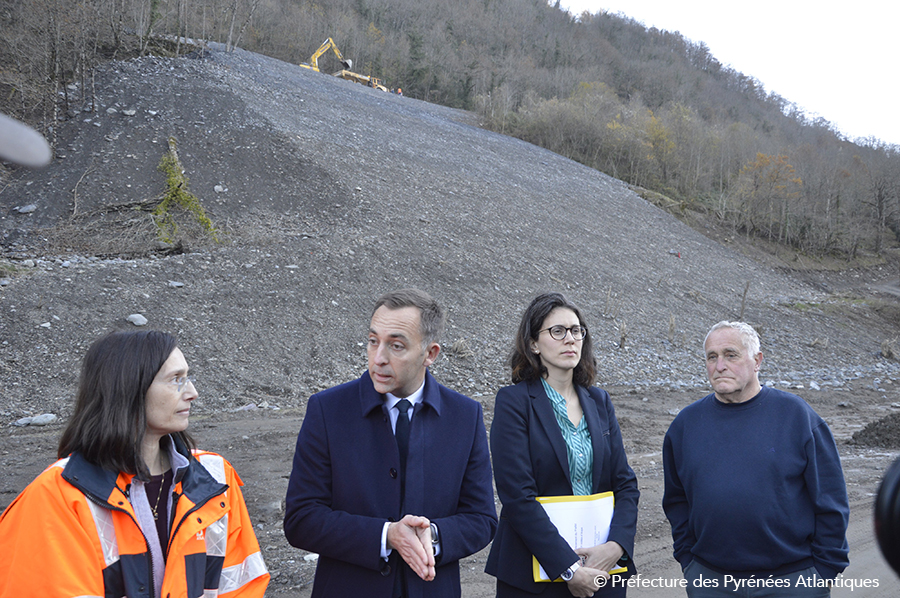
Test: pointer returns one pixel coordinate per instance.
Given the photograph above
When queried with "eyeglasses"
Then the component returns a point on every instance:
(559, 332)
(181, 383)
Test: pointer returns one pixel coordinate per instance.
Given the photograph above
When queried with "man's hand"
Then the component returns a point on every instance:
(584, 583)
(411, 537)
(603, 556)
(424, 535)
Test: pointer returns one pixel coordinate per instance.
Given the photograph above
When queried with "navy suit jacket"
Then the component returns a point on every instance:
(345, 485)
(530, 460)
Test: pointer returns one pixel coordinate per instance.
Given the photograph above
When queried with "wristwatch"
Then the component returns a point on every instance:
(570, 572)
(435, 538)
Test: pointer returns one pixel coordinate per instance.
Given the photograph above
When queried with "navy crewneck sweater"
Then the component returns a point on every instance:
(755, 488)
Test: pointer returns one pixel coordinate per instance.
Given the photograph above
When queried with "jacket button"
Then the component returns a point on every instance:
(393, 473)
(199, 520)
(386, 571)
(222, 504)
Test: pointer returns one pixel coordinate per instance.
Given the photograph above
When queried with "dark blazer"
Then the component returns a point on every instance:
(345, 485)
(529, 455)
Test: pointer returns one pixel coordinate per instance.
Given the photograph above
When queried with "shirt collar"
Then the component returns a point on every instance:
(558, 402)
(177, 461)
(555, 398)
(415, 398)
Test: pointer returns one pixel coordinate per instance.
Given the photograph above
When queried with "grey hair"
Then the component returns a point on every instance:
(749, 337)
(431, 316)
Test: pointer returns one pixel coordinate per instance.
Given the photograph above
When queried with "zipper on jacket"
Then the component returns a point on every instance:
(175, 497)
(183, 519)
(196, 506)
(109, 507)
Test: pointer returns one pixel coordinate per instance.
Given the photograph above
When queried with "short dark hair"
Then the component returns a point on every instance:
(526, 365)
(110, 418)
(431, 316)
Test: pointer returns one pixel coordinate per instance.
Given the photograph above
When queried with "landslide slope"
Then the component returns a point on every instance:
(327, 193)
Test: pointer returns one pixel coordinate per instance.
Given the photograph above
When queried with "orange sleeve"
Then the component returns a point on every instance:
(50, 543)
(243, 558)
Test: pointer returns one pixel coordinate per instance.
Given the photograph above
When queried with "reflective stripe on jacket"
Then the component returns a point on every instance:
(73, 532)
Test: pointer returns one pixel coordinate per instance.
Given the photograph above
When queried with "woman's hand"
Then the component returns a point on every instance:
(584, 583)
(603, 556)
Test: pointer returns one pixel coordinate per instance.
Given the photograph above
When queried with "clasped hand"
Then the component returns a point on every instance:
(411, 537)
(598, 560)
(602, 556)
(586, 581)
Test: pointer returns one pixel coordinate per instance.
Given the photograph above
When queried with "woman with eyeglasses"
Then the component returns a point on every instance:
(132, 508)
(555, 434)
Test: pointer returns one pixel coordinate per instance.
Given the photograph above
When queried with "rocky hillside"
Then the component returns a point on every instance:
(326, 193)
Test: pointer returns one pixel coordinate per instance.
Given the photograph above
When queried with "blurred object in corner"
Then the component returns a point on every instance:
(887, 516)
(22, 145)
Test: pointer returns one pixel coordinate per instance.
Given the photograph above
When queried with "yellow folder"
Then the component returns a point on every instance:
(581, 521)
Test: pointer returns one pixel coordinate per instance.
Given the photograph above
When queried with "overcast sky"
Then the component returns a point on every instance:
(834, 60)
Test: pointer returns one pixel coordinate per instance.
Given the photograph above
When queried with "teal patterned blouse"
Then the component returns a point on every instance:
(578, 444)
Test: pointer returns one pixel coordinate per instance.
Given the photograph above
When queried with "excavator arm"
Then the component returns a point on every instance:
(344, 73)
(328, 44)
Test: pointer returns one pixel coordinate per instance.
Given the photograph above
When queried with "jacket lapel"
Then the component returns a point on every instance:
(597, 428)
(426, 446)
(544, 411)
(369, 398)
(374, 411)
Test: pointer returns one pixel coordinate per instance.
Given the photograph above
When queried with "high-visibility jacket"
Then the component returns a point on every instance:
(73, 532)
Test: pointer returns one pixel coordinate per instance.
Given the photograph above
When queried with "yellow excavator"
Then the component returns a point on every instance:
(344, 73)
(328, 44)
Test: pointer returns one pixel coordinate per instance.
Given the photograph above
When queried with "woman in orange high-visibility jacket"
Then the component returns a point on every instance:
(129, 509)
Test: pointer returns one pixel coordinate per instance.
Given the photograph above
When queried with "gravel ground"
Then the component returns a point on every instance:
(326, 194)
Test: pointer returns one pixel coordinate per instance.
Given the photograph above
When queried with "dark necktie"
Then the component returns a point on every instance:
(402, 435)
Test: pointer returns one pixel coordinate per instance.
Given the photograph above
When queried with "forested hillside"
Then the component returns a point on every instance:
(643, 105)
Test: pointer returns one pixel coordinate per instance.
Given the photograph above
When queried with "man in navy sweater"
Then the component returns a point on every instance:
(754, 489)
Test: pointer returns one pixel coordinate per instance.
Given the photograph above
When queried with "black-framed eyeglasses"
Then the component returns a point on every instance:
(559, 332)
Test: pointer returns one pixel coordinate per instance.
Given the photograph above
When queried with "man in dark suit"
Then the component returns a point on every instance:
(391, 514)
